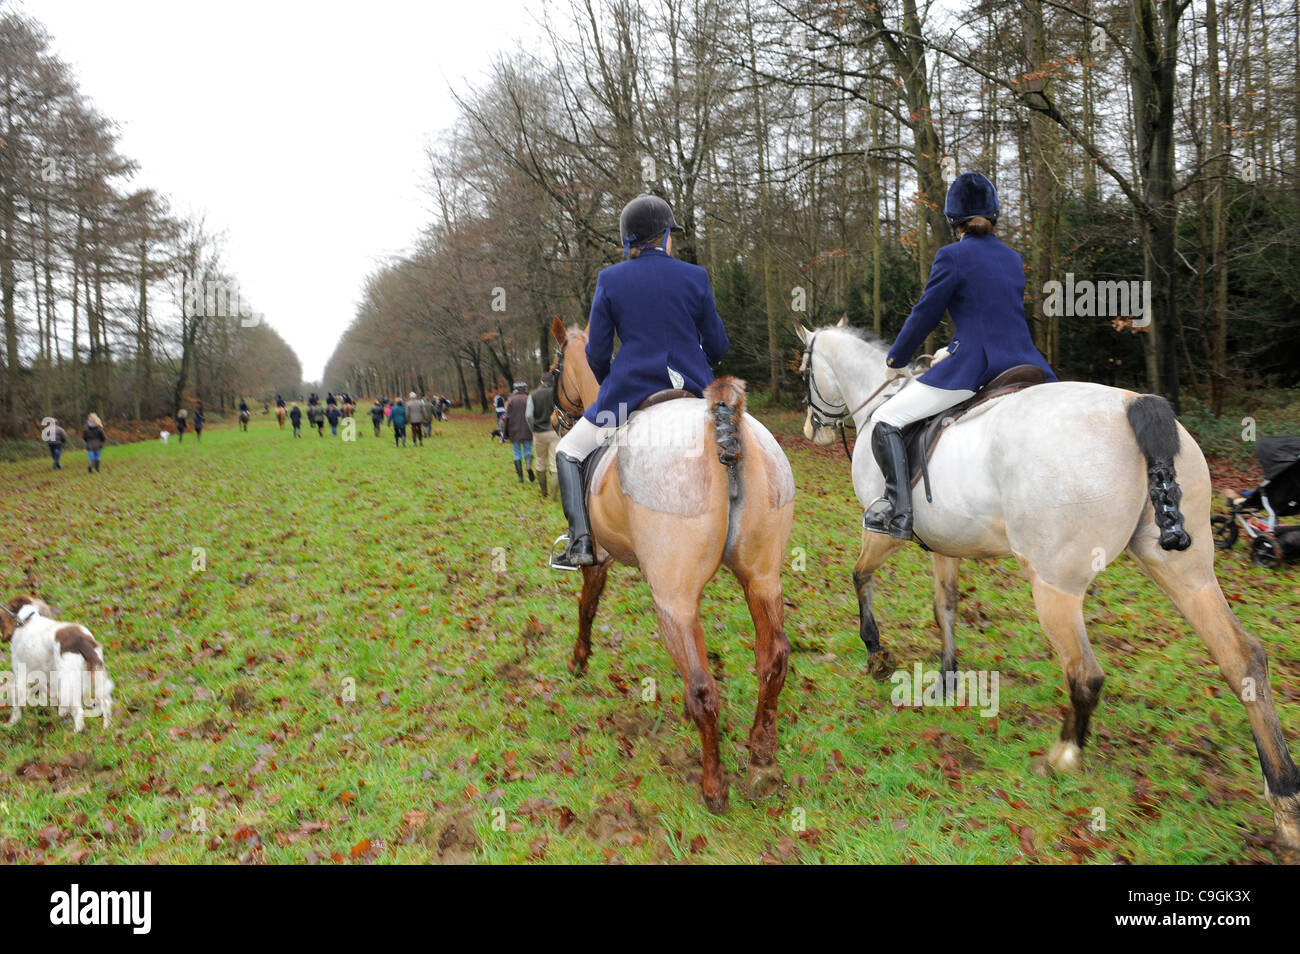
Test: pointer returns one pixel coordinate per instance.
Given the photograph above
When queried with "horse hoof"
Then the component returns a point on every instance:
(881, 665)
(578, 667)
(763, 780)
(1065, 757)
(717, 803)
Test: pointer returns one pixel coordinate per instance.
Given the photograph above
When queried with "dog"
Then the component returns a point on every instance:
(163, 435)
(57, 661)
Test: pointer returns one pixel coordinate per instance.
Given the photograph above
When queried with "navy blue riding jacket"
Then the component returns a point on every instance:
(980, 282)
(663, 312)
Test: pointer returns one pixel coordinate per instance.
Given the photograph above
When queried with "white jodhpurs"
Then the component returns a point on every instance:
(584, 438)
(915, 402)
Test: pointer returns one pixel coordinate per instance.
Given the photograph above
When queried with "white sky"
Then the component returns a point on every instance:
(299, 129)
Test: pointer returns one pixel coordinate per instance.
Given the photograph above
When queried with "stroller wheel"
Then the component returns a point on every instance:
(1266, 552)
(1225, 531)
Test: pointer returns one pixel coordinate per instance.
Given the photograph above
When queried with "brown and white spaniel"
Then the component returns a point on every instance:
(53, 663)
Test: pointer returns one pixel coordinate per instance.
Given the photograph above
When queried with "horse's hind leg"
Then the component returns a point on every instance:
(679, 625)
(945, 607)
(593, 585)
(1061, 616)
(1188, 579)
(771, 656)
(876, 549)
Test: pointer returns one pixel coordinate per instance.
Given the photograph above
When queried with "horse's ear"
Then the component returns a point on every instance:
(843, 322)
(557, 329)
(801, 331)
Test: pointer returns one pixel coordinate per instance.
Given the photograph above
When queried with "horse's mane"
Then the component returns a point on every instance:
(862, 334)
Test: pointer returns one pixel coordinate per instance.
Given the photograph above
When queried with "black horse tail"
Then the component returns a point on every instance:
(726, 400)
(1156, 429)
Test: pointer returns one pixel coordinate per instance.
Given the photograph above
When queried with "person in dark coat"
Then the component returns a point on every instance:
(182, 422)
(295, 418)
(55, 437)
(199, 420)
(397, 417)
(377, 414)
(664, 315)
(316, 415)
(541, 403)
(517, 431)
(93, 435)
(981, 283)
(333, 413)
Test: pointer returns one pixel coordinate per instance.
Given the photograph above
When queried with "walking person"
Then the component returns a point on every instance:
(663, 313)
(316, 416)
(295, 418)
(377, 412)
(93, 435)
(199, 420)
(332, 412)
(541, 403)
(416, 417)
(398, 419)
(517, 432)
(55, 437)
(182, 422)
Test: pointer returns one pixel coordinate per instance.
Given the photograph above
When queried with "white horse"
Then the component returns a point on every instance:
(1060, 476)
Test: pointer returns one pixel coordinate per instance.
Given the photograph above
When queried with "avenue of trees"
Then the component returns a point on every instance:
(109, 301)
(806, 147)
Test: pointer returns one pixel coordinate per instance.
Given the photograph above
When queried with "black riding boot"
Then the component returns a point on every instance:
(891, 454)
(519, 469)
(568, 472)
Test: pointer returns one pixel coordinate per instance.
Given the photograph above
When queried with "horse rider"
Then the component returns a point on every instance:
(663, 312)
(981, 283)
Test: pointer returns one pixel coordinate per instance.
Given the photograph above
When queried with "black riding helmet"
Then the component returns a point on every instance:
(645, 218)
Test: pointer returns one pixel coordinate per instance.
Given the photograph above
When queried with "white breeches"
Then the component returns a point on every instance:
(584, 438)
(917, 401)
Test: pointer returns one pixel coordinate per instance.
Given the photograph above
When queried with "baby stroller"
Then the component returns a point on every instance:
(1256, 512)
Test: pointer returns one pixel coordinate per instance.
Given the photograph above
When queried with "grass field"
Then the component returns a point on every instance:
(366, 662)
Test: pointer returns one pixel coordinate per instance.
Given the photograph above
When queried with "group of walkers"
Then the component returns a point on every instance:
(92, 434)
(524, 420)
(184, 419)
(417, 413)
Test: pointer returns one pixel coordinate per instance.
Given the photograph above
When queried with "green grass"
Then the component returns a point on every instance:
(334, 568)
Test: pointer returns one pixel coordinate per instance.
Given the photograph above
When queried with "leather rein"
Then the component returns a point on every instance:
(824, 417)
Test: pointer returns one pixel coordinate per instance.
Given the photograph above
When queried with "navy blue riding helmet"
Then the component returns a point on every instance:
(971, 194)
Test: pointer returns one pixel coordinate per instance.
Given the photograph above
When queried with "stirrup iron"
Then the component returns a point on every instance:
(558, 550)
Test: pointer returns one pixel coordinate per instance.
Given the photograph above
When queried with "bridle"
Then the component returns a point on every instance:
(562, 417)
(825, 417)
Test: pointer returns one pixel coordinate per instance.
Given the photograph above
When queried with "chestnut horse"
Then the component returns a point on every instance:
(280, 414)
(689, 485)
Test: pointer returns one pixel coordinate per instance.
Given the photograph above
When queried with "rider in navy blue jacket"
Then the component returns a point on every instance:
(669, 331)
(663, 312)
(981, 283)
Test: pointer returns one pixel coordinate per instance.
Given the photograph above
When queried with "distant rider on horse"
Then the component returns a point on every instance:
(667, 323)
(981, 283)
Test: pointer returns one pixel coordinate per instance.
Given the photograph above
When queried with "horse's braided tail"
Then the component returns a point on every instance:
(726, 400)
(1156, 429)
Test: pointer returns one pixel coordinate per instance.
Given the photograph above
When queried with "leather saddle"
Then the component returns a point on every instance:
(590, 465)
(922, 436)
